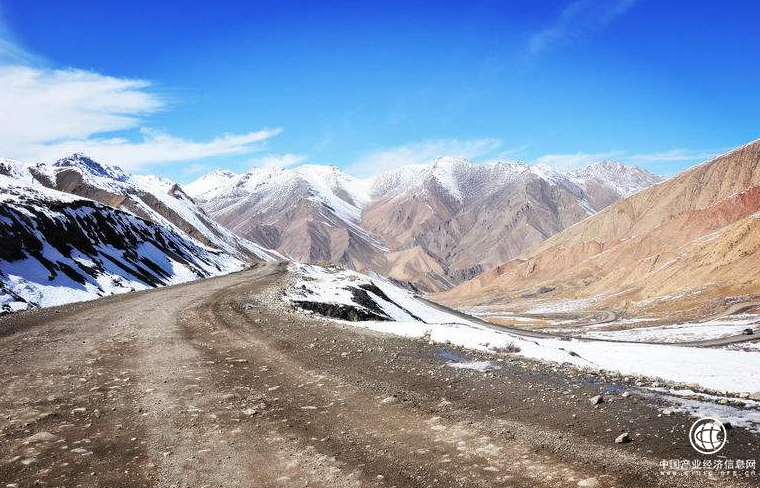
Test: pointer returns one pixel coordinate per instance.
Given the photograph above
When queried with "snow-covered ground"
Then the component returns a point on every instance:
(686, 332)
(739, 412)
(714, 369)
(563, 306)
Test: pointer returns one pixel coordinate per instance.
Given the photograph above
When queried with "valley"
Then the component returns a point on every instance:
(219, 382)
(288, 244)
(192, 352)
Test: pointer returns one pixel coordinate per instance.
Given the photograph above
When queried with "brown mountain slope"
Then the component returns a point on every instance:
(689, 240)
(479, 232)
(432, 226)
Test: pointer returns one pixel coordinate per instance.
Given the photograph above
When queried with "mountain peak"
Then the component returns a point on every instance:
(89, 165)
(626, 179)
(220, 172)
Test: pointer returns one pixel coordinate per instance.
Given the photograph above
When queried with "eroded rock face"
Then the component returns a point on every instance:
(88, 249)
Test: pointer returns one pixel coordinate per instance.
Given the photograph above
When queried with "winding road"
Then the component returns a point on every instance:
(220, 383)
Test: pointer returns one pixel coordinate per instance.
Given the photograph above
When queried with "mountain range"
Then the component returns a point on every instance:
(430, 226)
(607, 236)
(687, 245)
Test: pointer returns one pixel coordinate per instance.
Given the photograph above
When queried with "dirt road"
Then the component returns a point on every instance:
(217, 383)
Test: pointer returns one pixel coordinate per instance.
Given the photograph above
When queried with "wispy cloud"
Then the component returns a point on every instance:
(48, 114)
(46, 105)
(579, 18)
(675, 155)
(509, 154)
(155, 147)
(11, 50)
(277, 160)
(419, 153)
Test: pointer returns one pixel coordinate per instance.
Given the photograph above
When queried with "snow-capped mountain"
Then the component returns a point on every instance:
(311, 213)
(58, 248)
(156, 199)
(76, 230)
(626, 180)
(430, 225)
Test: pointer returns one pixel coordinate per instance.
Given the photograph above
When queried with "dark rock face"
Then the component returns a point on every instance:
(366, 307)
(83, 240)
(342, 312)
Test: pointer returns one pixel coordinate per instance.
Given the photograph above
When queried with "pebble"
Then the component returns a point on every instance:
(596, 400)
(589, 483)
(623, 438)
(41, 437)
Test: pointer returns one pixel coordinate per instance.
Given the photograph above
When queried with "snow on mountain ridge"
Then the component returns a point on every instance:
(148, 196)
(89, 166)
(459, 177)
(209, 182)
(56, 248)
(625, 179)
(343, 193)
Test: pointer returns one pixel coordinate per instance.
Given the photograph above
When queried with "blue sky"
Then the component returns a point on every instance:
(178, 87)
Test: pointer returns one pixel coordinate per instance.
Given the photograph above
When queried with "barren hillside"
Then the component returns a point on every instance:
(694, 236)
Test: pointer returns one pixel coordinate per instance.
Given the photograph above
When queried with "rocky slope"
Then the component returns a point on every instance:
(311, 213)
(432, 226)
(77, 230)
(686, 245)
(156, 199)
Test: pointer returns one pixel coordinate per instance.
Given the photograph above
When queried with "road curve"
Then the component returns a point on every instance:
(219, 383)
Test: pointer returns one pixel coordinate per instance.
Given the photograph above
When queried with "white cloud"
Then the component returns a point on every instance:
(577, 19)
(45, 105)
(153, 148)
(48, 114)
(675, 155)
(420, 153)
(12, 51)
(277, 160)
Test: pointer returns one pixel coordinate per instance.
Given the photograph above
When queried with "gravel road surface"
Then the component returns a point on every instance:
(219, 383)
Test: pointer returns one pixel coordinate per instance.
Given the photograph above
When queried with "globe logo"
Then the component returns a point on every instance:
(707, 435)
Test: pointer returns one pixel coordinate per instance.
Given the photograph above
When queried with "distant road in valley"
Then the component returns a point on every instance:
(606, 317)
